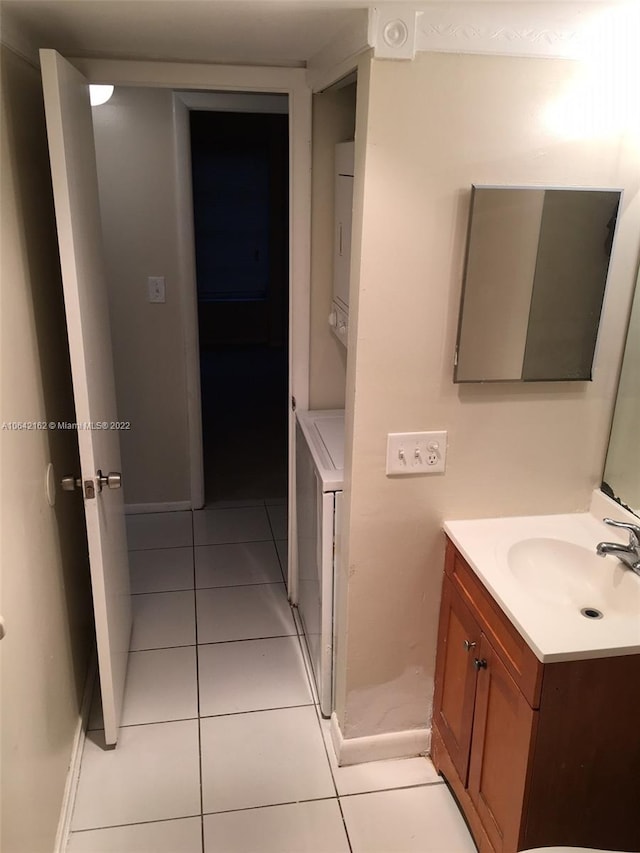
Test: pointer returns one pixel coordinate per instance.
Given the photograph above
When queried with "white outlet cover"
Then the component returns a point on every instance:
(156, 288)
(416, 453)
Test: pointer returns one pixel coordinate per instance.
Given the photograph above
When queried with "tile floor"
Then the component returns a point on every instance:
(222, 748)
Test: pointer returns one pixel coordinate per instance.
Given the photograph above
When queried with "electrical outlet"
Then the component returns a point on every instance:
(156, 289)
(416, 452)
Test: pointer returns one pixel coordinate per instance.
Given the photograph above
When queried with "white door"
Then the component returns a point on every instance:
(75, 190)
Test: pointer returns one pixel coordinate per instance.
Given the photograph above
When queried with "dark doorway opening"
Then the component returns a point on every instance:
(241, 220)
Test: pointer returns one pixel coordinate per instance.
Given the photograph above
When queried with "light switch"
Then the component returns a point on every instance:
(156, 288)
(416, 452)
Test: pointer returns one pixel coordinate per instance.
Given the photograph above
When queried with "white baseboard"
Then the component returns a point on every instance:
(73, 774)
(176, 506)
(358, 750)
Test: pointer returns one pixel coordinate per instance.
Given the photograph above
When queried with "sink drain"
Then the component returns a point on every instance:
(591, 613)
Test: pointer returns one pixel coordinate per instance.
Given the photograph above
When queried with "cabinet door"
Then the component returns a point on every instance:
(503, 731)
(342, 248)
(455, 683)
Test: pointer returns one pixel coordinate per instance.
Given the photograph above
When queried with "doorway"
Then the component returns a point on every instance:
(240, 179)
(164, 455)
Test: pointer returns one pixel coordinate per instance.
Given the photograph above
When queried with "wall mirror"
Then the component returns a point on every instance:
(622, 468)
(534, 282)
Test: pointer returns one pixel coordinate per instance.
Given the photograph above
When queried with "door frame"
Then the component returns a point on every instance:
(237, 78)
(183, 104)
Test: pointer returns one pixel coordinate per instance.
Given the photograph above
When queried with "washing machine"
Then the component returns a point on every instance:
(319, 481)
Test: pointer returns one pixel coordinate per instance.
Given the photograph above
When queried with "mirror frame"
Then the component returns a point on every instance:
(593, 339)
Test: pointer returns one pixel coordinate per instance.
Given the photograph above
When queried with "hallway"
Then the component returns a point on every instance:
(222, 748)
(244, 422)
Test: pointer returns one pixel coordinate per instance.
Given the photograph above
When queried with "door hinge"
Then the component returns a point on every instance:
(293, 403)
(89, 489)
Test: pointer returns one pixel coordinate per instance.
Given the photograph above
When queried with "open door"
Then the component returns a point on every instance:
(75, 190)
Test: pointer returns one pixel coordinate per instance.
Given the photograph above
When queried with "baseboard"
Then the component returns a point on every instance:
(358, 750)
(175, 506)
(73, 774)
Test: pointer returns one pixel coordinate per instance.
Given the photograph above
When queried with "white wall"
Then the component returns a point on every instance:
(333, 122)
(425, 131)
(44, 572)
(136, 173)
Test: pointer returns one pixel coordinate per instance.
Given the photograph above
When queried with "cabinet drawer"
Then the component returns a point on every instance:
(521, 663)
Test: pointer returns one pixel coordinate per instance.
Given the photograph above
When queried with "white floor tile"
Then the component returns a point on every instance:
(152, 774)
(252, 675)
(235, 564)
(281, 548)
(314, 827)
(278, 519)
(264, 758)
(413, 820)
(243, 613)
(162, 620)
(159, 530)
(378, 775)
(167, 836)
(219, 526)
(161, 686)
(161, 570)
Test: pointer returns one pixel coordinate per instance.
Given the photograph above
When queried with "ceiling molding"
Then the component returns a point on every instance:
(393, 31)
(544, 29)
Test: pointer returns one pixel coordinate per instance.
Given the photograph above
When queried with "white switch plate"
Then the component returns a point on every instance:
(416, 452)
(156, 289)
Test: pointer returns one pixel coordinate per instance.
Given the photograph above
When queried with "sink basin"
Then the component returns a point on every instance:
(565, 576)
(543, 571)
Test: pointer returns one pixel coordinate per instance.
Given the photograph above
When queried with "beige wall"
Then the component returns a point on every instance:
(136, 173)
(433, 127)
(333, 121)
(44, 574)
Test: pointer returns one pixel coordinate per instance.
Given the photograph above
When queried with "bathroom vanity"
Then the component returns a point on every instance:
(536, 723)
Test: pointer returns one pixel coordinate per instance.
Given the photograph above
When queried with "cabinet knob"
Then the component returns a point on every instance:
(468, 645)
(480, 663)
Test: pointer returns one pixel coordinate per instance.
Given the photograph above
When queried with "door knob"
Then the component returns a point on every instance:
(69, 483)
(468, 645)
(112, 480)
(480, 663)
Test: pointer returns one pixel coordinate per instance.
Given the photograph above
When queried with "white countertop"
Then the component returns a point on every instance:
(553, 627)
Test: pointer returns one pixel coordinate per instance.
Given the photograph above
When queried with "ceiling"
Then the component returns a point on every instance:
(258, 32)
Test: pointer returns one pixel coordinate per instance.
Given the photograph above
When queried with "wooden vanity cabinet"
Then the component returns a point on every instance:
(536, 755)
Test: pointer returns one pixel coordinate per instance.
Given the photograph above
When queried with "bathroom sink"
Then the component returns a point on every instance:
(543, 571)
(570, 577)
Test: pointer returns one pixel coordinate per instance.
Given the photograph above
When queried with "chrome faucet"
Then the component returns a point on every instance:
(628, 554)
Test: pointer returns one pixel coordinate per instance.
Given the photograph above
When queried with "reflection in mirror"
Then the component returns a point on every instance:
(622, 469)
(536, 269)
